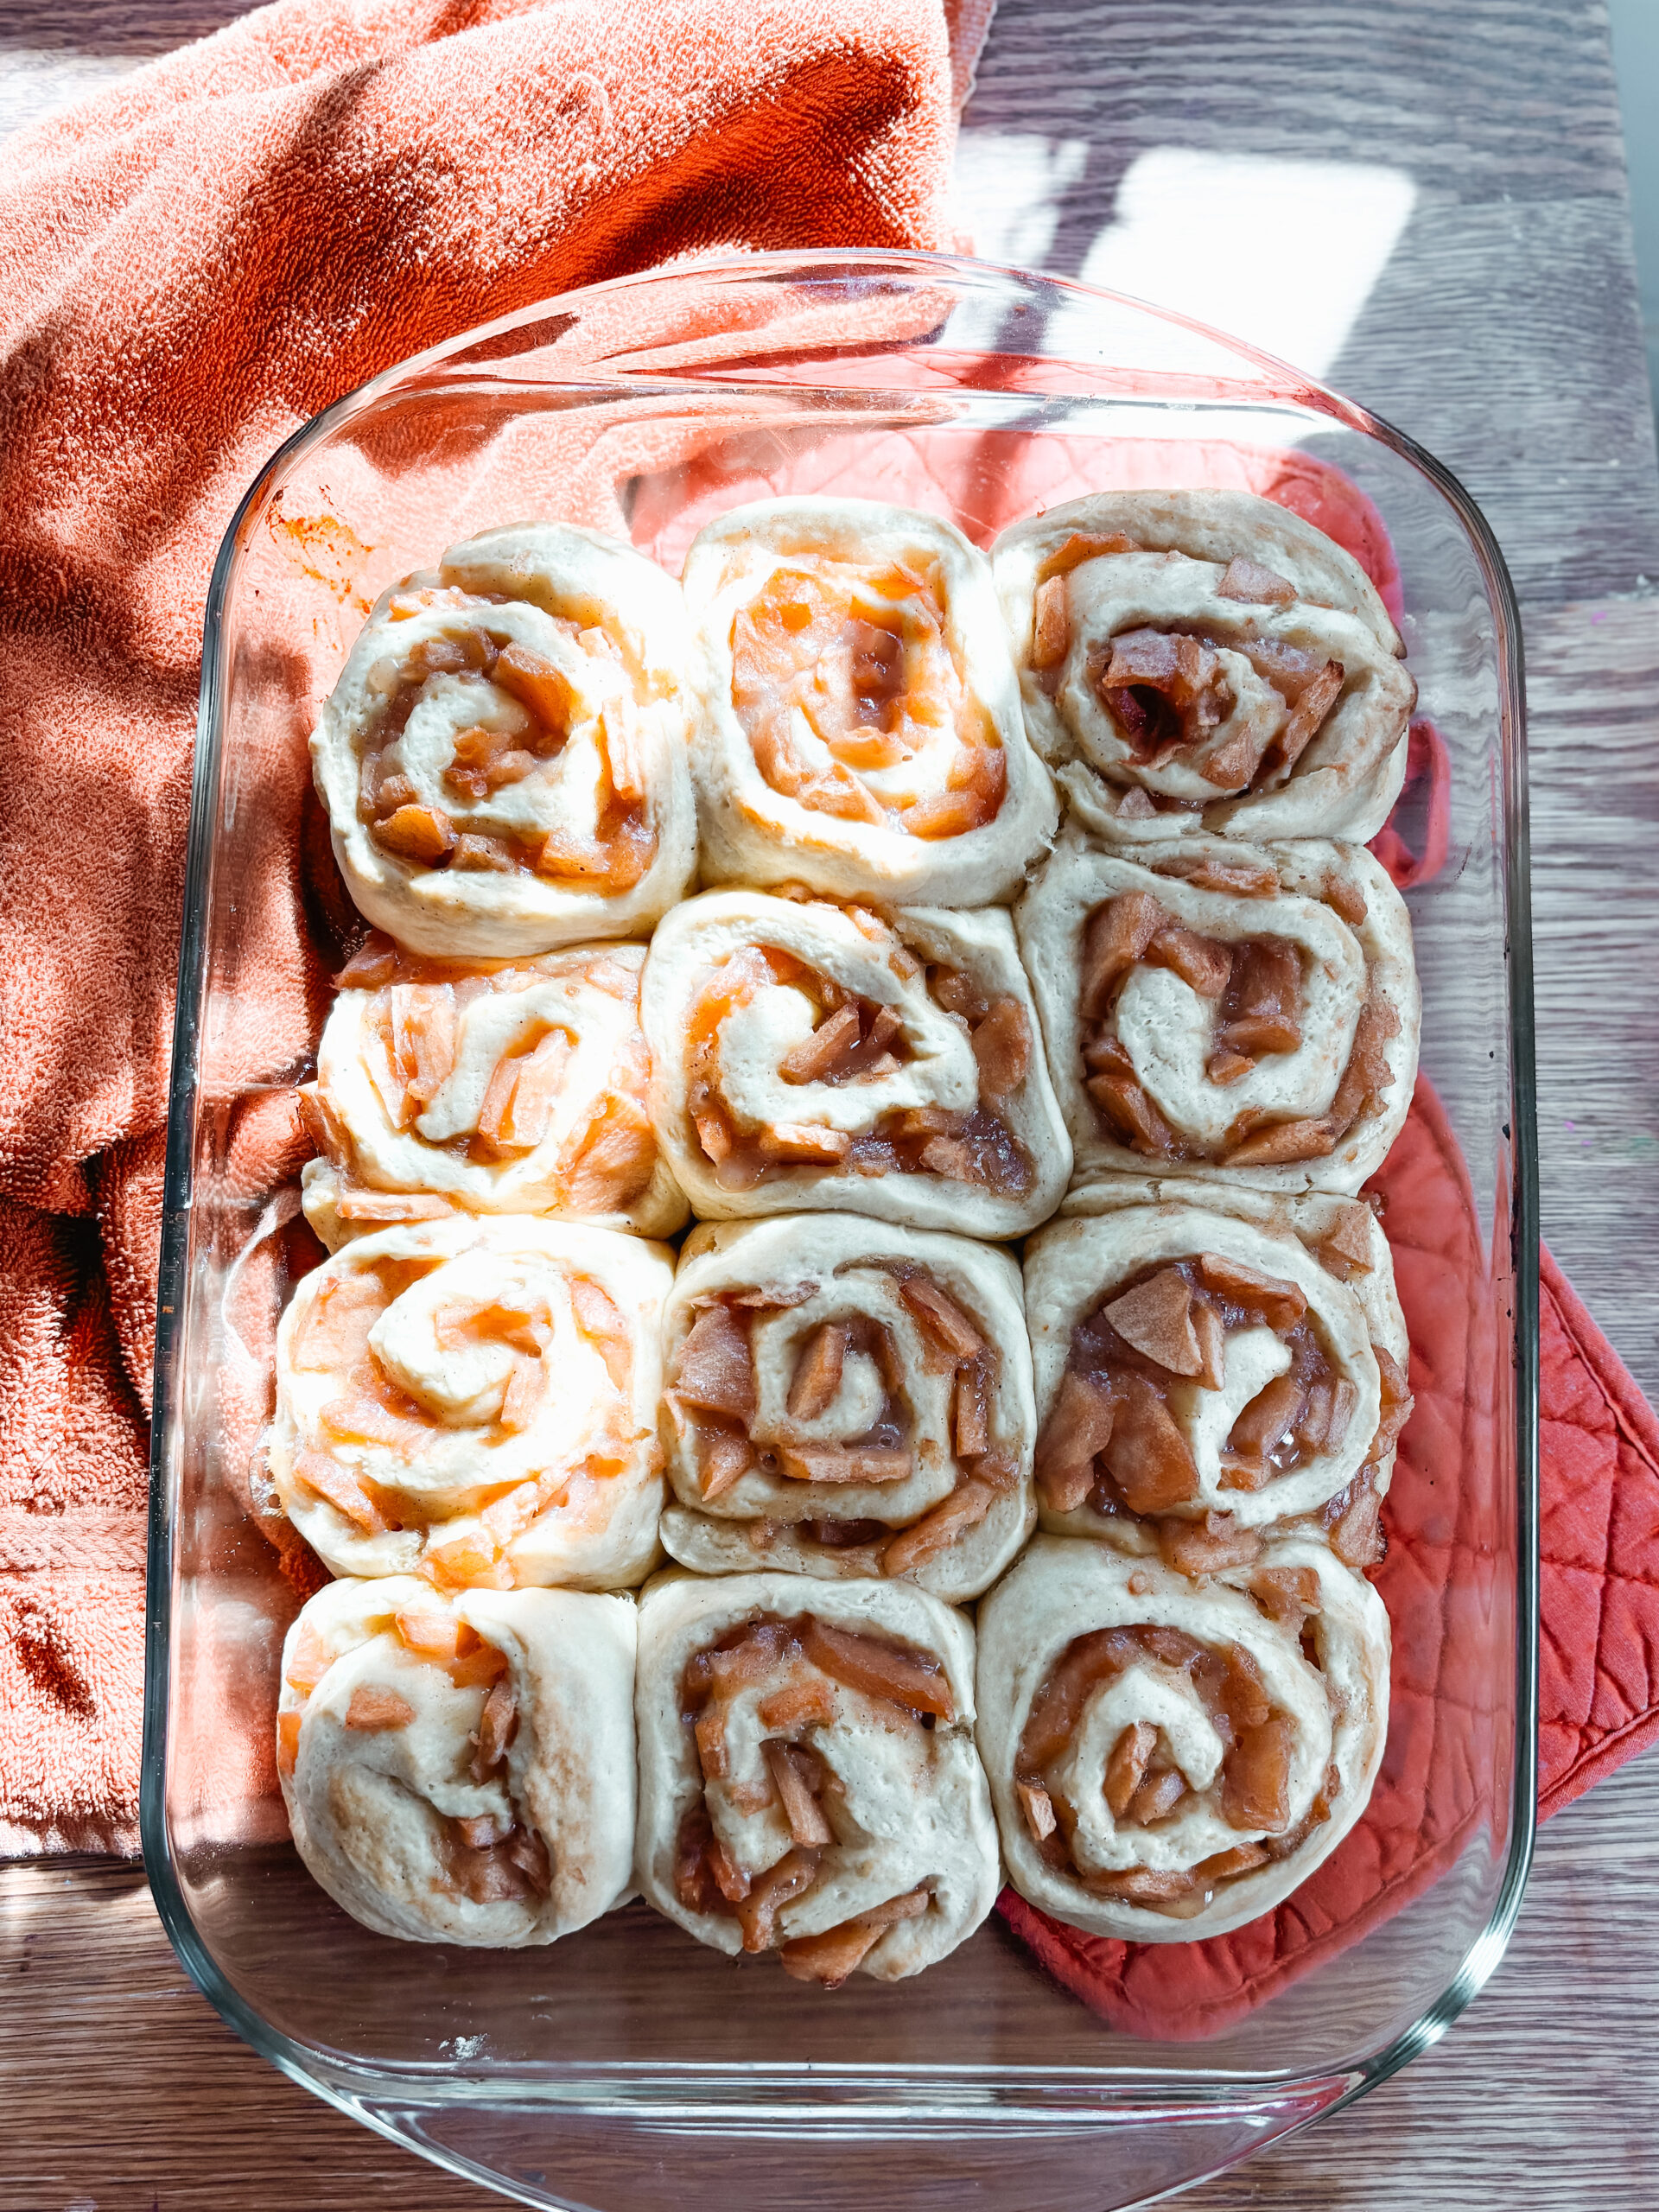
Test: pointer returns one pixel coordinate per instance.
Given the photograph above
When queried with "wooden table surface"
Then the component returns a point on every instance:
(1501, 331)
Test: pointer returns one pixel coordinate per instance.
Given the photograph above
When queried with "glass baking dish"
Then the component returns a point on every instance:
(627, 2065)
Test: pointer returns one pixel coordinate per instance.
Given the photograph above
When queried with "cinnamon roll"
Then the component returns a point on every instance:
(1225, 1012)
(506, 1087)
(862, 732)
(808, 1779)
(805, 1055)
(461, 1770)
(1206, 1381)
(474, 1402)
(1205, 661)
(1170, 1760)
(844, 1398)
(504, 756)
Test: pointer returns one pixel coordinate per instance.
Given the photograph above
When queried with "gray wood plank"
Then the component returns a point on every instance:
(1593, 709)
(1504, 332)
(1493, 99)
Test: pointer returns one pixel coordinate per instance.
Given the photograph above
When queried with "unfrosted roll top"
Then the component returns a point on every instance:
(460, 1770)
(1170, 1760)
(806, 1055)
(504, 756)
(846, 1398)
(1205, 1382)
(862, 732)
(475, 1402)
(502, 1087)
(1205, 661)
(1225, 1012)
(808, 1779)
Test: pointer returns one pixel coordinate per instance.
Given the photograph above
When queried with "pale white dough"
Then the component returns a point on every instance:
(698, 936)
(1167, 1028)
(915, 1810)
(847, 1260)
(753, 834)
(643, 695)
(1339, 1708)
(1074, 1266)
(589, 1441)
(1345, 782)
(367, 1807)
(588, 997)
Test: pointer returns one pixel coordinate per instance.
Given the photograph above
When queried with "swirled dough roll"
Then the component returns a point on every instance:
(475, 1402)
(1224, 1012)
(1204, 660)
(461, 1770)
(805, 1055)
(1170, 1760)
(519, 1087)
(846, 1397)
(862, 732)
(808, 1779)
(504, 757)
(1205, 1382)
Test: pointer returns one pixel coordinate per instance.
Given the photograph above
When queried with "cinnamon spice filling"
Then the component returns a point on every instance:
(1351, 1521)
(1166, 690)
(485, 760)
(713, 1398)
(808, 1660)
(488, 1859)
(854, 1039)
(1255, 987)
(862, 656)
(1113, 1443)
(372, 1408)
(1142, 1785)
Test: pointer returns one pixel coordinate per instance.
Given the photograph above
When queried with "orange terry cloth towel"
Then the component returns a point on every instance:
(191, 266)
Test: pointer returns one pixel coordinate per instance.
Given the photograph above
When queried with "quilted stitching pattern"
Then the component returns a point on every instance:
(1598, 1645)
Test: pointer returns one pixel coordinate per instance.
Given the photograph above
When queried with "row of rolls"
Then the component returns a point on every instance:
(1240, 1015)
(1034, 909)
(1181, 1690)
(835, 1773)
(547, 739)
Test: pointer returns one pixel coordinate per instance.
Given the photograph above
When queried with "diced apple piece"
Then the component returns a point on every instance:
(372, 1707)
(1079, 1426)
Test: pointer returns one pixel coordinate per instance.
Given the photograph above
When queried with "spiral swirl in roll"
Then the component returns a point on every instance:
(506, 1088)
(1223, 1011)
(848, 1398)
(1170, 1760)
(461, 1770)
(475, 1402)
(862, 733)
(1205, 660)
(1204, 1382)
(805, 1055)
(808, 1779)
(503, 758)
